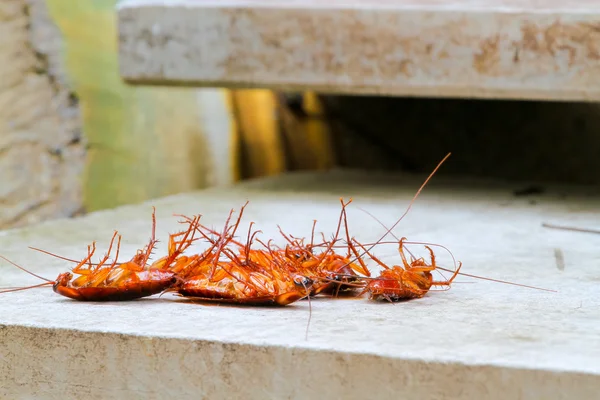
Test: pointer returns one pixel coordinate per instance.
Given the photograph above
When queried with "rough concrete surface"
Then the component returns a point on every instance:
(42, 152)
(485, 49)
(478, 340)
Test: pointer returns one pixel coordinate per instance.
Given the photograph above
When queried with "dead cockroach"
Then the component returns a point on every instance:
(109, 282)
(251, 277)
(413, 279)
(331, 272)
(234, 284)
(410, 280)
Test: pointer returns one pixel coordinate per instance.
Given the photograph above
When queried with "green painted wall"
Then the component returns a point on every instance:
(143, 142)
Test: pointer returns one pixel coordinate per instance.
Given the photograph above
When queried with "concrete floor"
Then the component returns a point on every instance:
(478, 340)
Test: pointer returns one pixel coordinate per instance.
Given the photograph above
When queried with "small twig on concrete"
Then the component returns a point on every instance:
(571, 228)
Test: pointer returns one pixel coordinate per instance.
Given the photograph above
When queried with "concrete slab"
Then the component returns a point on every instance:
(519, 49)
(477, 340)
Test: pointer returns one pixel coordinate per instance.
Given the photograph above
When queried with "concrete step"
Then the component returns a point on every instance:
(518, 49)
(477, 340)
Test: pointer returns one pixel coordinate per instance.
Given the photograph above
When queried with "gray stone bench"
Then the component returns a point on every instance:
(519, 49)
(477, 340)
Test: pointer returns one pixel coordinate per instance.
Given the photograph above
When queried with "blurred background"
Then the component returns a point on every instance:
(74, 138)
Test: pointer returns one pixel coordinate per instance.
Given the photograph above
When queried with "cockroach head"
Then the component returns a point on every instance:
(303, 282)
(63, 279)
(176, 281)
(343, 276)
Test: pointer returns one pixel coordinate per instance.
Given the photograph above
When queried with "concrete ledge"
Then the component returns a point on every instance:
(477, 340)
(492, 49)
(140, 367)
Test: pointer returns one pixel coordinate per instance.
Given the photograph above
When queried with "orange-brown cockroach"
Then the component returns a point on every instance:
(330, 271)
(410, 280)
(414, 278)
(403, 241)
(250, 277)
(109, 282)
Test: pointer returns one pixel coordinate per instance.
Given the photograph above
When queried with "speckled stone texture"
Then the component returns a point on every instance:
(485, 49)
(42, 151)
(478, 340)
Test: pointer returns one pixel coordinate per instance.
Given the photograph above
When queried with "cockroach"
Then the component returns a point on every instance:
(410, 280)
(331, 271)
(413, 279)
(251, 277)
(232, 284)
(249, 258)
(340, 272)
(300, 259)
(109, 282)
(451, 255)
